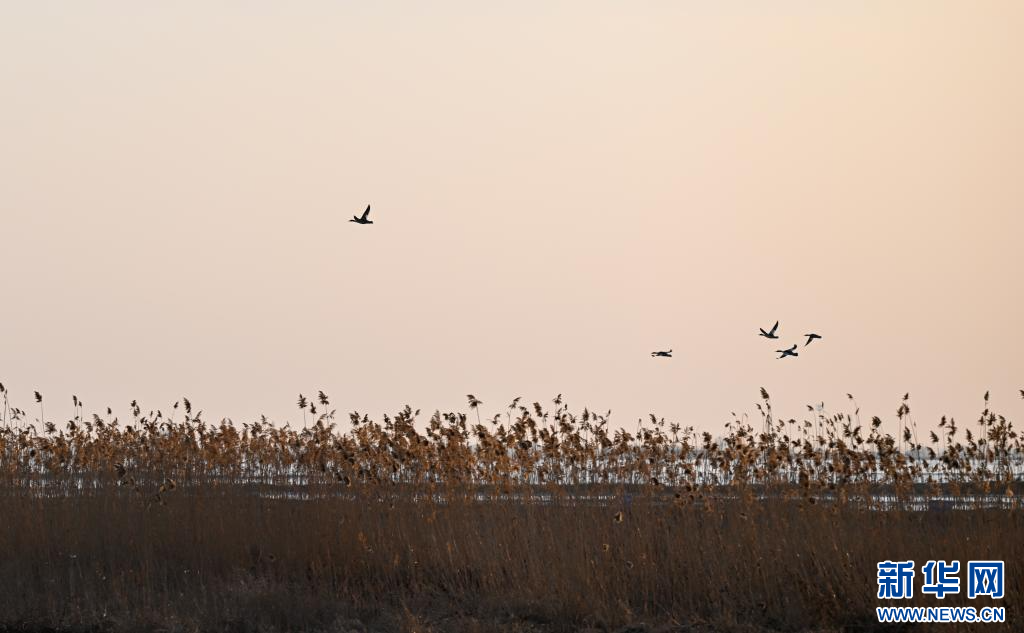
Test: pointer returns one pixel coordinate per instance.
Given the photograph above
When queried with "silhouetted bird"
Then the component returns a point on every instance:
(362, 220)
(770, 333)
(811, 337)
(667, 354)
(788, 352)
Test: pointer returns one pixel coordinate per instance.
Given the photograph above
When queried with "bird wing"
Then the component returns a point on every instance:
(366, 213)
(774, 327)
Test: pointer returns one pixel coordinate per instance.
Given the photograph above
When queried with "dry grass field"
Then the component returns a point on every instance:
(537, 520)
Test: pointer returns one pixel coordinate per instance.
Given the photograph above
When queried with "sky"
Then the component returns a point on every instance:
(558, 189)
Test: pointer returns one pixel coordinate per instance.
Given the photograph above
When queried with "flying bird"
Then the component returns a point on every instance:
(811, 337)
(362, 220)
(667, 354)
(770, 333)
(788, 352)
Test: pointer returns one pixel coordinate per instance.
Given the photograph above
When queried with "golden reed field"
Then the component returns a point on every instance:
(540, 519)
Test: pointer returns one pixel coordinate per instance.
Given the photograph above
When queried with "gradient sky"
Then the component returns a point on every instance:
(559, 188)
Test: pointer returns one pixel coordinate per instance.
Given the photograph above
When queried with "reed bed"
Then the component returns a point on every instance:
(538, 519)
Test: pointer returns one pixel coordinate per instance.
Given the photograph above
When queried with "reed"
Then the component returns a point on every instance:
(544, 520)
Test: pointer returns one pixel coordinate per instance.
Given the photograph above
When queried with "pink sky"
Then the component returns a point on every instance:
(559, 189)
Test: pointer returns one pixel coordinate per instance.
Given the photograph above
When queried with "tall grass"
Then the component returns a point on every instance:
(534, 520)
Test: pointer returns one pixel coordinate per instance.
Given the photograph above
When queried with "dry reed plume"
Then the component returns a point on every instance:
(535, 519)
